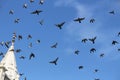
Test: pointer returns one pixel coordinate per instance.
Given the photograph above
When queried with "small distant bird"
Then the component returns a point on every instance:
(31, 1)
(96, 70)
(77, 52)
(1, 53)
(102, 55)
(38, 41)
(54, 46)
(84, 40)
(80, 67)
(25, 5)
(118, 49)
(96, 79)
(79, 19)
(32, 55)
(54, 61)
(41, 22)
(18, 50)
(112, 12)
(114, 42)
(2, 43)
(16, 20)
(6, 44)
(60, 25)
(92, 50)
(21, 74)
(29, 37)
(118, 33)
(22, 57)
(25, 78)
(92, 20)
(36, 12)
(11, 12)
(41, 2)
(20, 37)
(30, 45)
(93, 39)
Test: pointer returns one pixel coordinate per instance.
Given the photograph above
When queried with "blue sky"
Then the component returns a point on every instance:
(105, 27)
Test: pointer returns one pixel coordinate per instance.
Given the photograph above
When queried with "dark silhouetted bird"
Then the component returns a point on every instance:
(112, 12)
(22, 57)
(31, 1)
(79, 19)
(93, 40)
(96, 79)
(77, 52)
(102, 55)
(25, 78)
(54, 46)
(54, 61)
(21, 74)
(36, 12)
(92, 20)
(114, 42)
(96, 70)
(118, 33)
(118, 49)
(84, 40)
(32, 55)
(16, 20)
(25, 5)
(2, 43)
(11, 12)
(19, 37)
(80, 67)
(29, 37)
(60, 25)
(18, 50)
(38, 41)
(41, 2)
(1, 53)
(92, 50)
(41, 22)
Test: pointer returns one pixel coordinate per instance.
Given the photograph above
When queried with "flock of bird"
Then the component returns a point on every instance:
(59, 26)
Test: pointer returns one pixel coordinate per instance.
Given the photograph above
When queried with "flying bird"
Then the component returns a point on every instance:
(41, 2)
(21, 74)
(118, 33)
(54, 61)
(25, 5)
(84, 40)
(11, 12)
(2, 43)
(16, 20)
(20, 37)
(31, 1)
(41, 22)
(92, 50)
(54, 46)
(80, 67)
(29, 37)
(118, 49)
(22, 57)
(96, 79)
(93, 39)
(114, 42)
(96, 70)
(32, 55)
(36, 12)
(18, 50)
(60, 25)
(92, 20)
(102, 55)
(77, 52)
(38, 41)
(79, 19)
(112, 12)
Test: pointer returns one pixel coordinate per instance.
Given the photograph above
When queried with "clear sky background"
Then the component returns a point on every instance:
(105, 27)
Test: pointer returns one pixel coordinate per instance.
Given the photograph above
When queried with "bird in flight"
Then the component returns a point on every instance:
(93, 39)
(96, 70)
(102, 55)
(92, 20)
(32, 55)
(112, 12)
(54, 61)
(29, 37)
(25, 5)
(77, 52)
(80, 67)
(118, 33)
(36, 12)
(41, 22)
(60, 25)
(79, 19)
(22, 57)
(54, 46)
(38, 41)
(92, 50)
(11, 12)
(18, 50)
(31, 1)
(41, 2)
(19, 37)
(17, 20)
(114, 42)
(84, 40)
